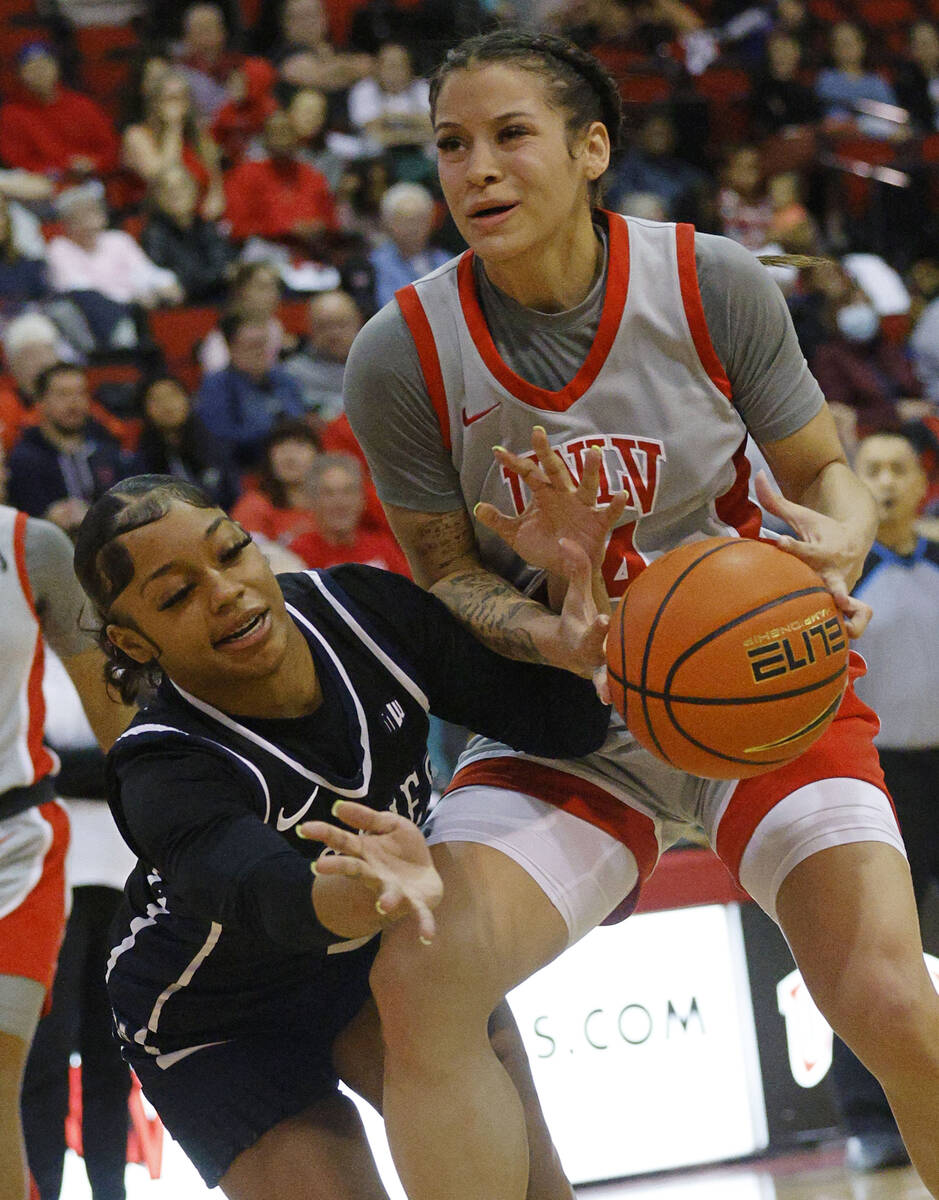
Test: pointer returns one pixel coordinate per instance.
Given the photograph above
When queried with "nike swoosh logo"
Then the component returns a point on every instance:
(289, 822)
(467, 421)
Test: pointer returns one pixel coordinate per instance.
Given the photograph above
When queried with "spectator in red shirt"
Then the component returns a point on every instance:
(338, 503)
(51, 130)
(248, 105)
(279, 508)
(279, 198)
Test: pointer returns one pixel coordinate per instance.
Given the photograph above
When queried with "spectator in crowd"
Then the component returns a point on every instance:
(390, 111)
(924, 345)
(338, 504)
(50, 129)
(279, 506)
(305, 55)
(97, 863)
(407, 214)
(780, 100)
(242, 403)
(901, 646)
(26, 228)
(917, 77)
(308, 110)
(279, 198)
(744, 205)
(255, 294)
(205, 59)
(173, 441)
(30, 344)
(248, 103)
(318, 366)
(60, 465)
(90, 257)
(22, 275)
(849, 80)
(169, 134)
(178, 239)
(859, 367)
(651, 165)
(795, 18)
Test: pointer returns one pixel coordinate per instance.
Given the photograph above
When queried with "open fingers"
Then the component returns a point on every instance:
(490, 516)
(551, 462)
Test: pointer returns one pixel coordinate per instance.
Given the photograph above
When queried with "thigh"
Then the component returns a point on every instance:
(321, 1153)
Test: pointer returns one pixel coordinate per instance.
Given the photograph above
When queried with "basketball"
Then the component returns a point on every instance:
(727, 657)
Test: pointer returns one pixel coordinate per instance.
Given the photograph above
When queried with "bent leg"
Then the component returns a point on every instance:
(319, 1154)
(511, 867)
(849, 915)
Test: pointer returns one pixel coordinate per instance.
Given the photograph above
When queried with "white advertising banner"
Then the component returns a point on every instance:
(643, 1048)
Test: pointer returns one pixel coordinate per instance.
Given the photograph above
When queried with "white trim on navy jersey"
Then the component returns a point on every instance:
(387, 662)
(153, 1021)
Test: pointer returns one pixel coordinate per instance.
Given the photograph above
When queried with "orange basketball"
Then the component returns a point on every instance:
(727, 657)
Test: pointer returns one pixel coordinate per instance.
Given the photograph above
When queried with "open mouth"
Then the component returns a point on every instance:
(246, 632)
(494, 210)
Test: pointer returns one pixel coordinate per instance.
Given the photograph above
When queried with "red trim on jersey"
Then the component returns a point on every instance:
(575, 795)
(735, 508)
(416, 319)
(30, 935)
(844, 751)
(694, 310)
(38, 755)
(614, 302)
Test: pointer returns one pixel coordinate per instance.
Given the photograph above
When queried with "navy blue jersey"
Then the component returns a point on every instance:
(218, 934)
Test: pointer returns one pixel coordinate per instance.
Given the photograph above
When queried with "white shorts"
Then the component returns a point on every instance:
(586, 873)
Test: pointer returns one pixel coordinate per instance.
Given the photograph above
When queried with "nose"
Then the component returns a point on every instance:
(224, 590)
(482, 164)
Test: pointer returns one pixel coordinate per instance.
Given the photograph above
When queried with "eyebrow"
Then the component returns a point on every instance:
(169, 566)
(508, 116)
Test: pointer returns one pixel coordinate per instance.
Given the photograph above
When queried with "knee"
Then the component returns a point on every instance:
(887, 1012)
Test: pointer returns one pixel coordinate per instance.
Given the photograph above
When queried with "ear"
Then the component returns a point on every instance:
(596, 150)
(132, 643)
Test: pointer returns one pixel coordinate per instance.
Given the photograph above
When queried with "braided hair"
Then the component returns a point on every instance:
(579, 85)
(104, 566)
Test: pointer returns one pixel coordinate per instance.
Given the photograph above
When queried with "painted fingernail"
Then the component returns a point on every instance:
(477, 505)
(336, 804)
(539, 428)
(499, 449)
(304, 836)
(313, 867)
(424, 941)
(382, 912)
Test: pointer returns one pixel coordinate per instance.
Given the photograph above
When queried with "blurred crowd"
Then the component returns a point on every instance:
(200, 205)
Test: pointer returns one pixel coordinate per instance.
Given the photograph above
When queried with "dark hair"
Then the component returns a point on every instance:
(284, 431)
(104, 566)
(579, 84)
(45, 377)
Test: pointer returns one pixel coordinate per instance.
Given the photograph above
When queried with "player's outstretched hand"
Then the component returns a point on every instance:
(388, 855)
(826, 545)
(582, 628)
(558, 507)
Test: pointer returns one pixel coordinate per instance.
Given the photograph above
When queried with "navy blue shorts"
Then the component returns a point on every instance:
(218, 1101)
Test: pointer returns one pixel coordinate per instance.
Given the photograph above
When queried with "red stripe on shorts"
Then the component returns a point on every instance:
(844, 751)
(576, 796)
(30, 936)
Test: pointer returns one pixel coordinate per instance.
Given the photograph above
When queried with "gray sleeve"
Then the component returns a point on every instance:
(60, 601)
(390, 412)
(751, 330)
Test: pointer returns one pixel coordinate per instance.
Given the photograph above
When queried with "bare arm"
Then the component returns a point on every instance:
(831, 511)
(107, 717)
(441, 550)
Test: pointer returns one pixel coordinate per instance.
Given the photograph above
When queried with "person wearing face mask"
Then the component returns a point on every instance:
(859, 367)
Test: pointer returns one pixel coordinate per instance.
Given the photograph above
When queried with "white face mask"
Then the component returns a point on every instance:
(858, 322)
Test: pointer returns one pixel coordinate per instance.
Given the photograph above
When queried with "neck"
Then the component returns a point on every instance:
(297, 495)
(65, 441)
(555, 277)
(293, 690)
(900, 538)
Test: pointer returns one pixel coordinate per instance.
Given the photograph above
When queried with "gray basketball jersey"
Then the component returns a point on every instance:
(651, 394)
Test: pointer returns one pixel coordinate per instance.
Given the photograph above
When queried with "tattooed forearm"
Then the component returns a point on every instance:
(497, 614)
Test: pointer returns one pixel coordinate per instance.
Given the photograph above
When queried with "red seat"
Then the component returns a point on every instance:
(644, 88)
(726, 90)
(101, 41)
(177, 331)
(828, 11)
(879, 14)
(295, 316)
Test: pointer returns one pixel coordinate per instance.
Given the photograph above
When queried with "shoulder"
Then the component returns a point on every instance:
(383, 346)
